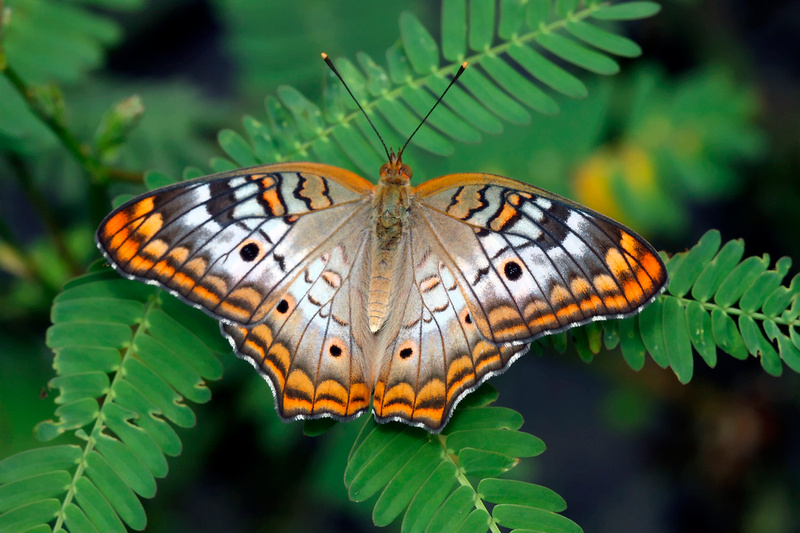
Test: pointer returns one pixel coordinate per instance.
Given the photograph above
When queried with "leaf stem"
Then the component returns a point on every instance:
(82, 153)
(99, 424)
(302, 148)
(739, 312)
(462, 479)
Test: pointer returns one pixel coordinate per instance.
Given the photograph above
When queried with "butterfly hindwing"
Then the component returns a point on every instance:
(530, 262)
(435, 354)
(230, 243)
(306, 345)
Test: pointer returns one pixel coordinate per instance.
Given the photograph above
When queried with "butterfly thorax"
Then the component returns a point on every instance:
(391, 204)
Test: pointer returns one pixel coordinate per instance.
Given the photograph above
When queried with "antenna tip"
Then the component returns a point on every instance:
(463, 65)
(324, 55)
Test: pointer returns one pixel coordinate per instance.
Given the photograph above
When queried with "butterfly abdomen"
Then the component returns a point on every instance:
(389, 222)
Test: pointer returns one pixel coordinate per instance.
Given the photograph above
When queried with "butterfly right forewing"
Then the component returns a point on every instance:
(530, 262)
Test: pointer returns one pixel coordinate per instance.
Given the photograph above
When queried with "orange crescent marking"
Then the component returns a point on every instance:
(580, 286)
(196, 266)
(182, 280)
(593, 304)
(434, 390)
(616, 301)
(619, 267)
(279, 354)
(139, 263)
(560, 295)
(480, 349)
(263, 333)
(163, 269)
(127, 250)
(506, 214)
(276, 207)
(605, 284)
(544, 321)
(150, 226)
(377, 400)
(216, 283)
(359, 397)
(633, 292)
(233, 310)
(298, 380)
(568, 311)
(329, 388)
(116, 224)
(401, 391)
(455, 367)
(156, 248)
(206, 294)
(652, 266)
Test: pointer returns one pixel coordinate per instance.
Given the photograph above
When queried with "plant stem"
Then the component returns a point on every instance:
(81, 152)
(52, 225)
(301, 149)
(100, 423)
(462, 480)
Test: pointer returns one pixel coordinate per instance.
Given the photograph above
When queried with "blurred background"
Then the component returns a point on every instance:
(701, 132)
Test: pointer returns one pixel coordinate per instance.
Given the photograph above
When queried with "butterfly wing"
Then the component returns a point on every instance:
(433, 351)
(231, 243)
(307, 345)
(530, 263)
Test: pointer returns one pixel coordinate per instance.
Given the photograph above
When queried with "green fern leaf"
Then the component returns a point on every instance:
(127, 345)
(715, 301)
(500, 85)
(442, 481)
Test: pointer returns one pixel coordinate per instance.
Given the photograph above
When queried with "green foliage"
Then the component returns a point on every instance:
(715, 301)
(127, 355)
(491, 91)
(449, 482)
(48, 41)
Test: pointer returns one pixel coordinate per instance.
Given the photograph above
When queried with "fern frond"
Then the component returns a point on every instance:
(715, 301)
(127, 355)
(448, 482)
(556, 38)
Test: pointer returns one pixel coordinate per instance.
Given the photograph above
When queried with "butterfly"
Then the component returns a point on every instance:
(341, 292)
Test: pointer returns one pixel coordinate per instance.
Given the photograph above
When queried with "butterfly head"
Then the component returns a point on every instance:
(395, 172)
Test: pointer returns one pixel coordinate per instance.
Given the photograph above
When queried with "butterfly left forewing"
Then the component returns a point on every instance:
(530, 262)
(231, 242)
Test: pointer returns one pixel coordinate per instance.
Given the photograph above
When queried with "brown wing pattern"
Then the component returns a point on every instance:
(230, 243)
(435, 354)
(305, 345)
(530, 262)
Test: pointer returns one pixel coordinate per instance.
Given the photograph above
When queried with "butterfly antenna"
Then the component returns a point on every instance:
(333, 68)
(458, 75)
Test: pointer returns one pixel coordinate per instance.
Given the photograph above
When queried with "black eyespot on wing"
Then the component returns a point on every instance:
(335, 351)
(468, 319)
(512, 270)
(249, 252)
(405, 353)
(282, 306)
